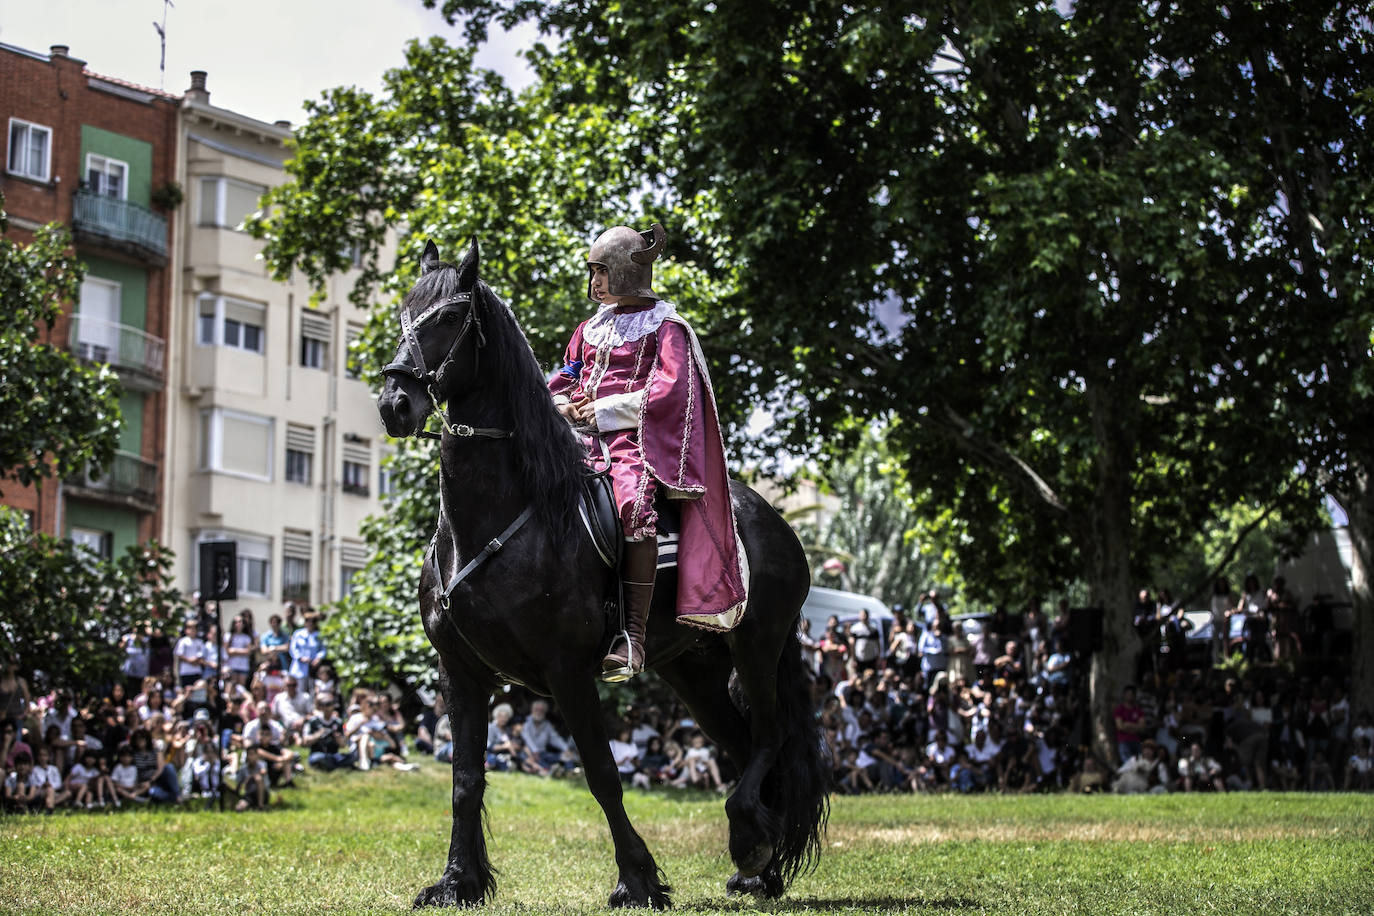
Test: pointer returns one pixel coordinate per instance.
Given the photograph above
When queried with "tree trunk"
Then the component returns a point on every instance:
(1108, 573)
(1360, 516)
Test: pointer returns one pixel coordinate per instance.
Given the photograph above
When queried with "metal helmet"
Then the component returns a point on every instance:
(628, 257)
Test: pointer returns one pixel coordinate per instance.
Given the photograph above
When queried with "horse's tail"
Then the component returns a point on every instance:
(797, 789)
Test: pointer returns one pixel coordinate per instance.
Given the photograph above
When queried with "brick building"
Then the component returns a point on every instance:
(99, 155)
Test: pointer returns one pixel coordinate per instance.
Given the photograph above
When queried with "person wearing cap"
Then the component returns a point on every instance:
(635, 382)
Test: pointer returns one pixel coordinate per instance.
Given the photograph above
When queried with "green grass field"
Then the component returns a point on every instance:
(366, 842)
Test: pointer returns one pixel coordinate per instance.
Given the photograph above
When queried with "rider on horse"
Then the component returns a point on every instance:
(634, 378)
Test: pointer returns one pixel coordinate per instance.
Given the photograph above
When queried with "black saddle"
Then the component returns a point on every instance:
(602, 521)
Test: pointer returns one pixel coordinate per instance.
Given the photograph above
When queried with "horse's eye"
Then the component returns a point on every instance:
(450, 317)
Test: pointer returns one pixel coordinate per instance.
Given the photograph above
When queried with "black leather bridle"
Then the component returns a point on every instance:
(433, 380)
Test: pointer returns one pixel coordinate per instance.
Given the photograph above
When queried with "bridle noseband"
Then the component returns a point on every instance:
(433, 379)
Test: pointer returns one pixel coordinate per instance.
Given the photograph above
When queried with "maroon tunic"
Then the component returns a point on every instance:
(656, 413)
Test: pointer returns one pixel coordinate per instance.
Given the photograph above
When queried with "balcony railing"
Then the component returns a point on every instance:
(129, 480)
(132, 351)
(117, 223)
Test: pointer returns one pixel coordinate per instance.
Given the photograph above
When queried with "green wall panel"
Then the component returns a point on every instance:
(121, 523)
(131, 421)
(133, 293)
(136, 154)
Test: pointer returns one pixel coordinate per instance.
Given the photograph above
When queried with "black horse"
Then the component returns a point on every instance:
(534, 613)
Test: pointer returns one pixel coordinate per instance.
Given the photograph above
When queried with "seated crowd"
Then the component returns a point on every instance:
(928, 708)
(171, 736)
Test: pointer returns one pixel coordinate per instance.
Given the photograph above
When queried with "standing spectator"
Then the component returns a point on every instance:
(137, 655)
(959, 652)
(238, 648)
(189, 654)
(14, 695)
(1285, 622)
(984, 655)
(902, 648)
(307, 650)
(324, 735)
(212, 658)
(930, 609)
(810, 646)
(931, 647)
(274, 645)
(1222, 603)
(834, 651)
(160, 654)
(867, 641)
(1130, 724)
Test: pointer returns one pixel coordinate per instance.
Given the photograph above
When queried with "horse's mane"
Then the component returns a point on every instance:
(549, 457)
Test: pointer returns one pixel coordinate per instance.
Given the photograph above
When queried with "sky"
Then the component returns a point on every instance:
(263, 58)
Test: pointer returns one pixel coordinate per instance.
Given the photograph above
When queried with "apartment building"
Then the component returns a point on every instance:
(272, 440)
(99, 155)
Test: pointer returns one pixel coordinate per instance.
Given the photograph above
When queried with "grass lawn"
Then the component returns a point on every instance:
(366, 842)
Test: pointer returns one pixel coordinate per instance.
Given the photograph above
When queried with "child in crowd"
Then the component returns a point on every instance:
(21, 794)
(48, 779)
(252, 780)
(125, 779)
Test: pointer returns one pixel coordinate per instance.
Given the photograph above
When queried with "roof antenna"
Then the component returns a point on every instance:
(162, 36)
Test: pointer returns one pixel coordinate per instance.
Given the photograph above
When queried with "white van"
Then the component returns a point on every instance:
(821, 603)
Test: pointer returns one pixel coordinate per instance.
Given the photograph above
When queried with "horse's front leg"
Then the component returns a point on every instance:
(467, 877)
(639, 881)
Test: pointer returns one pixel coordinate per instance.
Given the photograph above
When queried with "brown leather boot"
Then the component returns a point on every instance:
(637, 571)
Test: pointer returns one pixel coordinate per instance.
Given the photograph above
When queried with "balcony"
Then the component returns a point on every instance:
(128, 481)
(136, 355)
(119, 226)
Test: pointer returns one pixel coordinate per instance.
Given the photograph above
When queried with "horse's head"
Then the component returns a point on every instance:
(441, 334)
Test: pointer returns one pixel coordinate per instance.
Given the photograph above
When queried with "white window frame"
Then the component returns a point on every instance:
(216, 219)
(97, 542)
(210, 451)
(92, 159)
(254, 553)
(25, 169)
(218, 336)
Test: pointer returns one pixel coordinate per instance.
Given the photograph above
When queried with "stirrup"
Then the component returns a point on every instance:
(626, 671)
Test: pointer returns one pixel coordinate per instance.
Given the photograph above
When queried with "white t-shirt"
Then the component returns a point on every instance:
(190, 647)
(255, 732)
(983, 754)
(940, 755)
(865, 637)
(44, 776)
(626, 755)
(240, 663)
(126, 777)
(81, 774)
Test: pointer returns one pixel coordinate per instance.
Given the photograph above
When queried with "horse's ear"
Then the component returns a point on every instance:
(467, 271)
(430, 259)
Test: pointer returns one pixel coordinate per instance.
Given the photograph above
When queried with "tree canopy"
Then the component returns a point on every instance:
(1101, 266)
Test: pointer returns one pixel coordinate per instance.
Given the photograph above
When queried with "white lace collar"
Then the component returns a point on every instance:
(609, 328)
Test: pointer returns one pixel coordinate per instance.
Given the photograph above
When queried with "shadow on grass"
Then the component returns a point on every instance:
(830, 904)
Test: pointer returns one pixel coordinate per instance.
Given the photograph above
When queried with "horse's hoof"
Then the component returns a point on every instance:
(445, 893)
(766, 886)
(655, 898)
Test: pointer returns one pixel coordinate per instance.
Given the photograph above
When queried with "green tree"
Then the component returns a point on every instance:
(1059, 251)
(874, 529)
(56, 416)
(63, 610)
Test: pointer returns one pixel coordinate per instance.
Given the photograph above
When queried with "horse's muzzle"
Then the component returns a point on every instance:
(400, 413)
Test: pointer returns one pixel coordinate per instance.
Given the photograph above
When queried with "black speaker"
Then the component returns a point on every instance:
(219, 571)
(1085, 630)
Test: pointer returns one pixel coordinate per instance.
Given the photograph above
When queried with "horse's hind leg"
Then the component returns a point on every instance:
(702, 683)
(467, 877)
(639, 881)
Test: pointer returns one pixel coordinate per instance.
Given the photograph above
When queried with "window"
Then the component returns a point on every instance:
(99, 543)
(295, 565)
(225, 322)
(357, 464)
(236, 443)
(300, 452)
(227, 203)
(106, 177)
(30, 150)
(97, 323)
(316, 331)
(255, 561)
(355, 478)
(353, 354)
(346, 574)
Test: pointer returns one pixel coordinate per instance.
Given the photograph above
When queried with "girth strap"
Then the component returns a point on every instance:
(493, 545)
